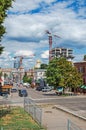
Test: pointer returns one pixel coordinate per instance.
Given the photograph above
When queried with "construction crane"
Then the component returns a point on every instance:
(50, 42)
(18, 63)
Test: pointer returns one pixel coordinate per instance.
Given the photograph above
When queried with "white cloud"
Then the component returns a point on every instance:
(5, 54)
(26, 31)
(45, 54)
(61, 20)
(24, 53)
(23, 5)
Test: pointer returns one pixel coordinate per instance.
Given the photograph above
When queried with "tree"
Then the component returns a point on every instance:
(4, 6)
(5, 75)
(26, 79)
(43, 66)
(0, 74)
(1, 49)
(84, 58)
(61, 72)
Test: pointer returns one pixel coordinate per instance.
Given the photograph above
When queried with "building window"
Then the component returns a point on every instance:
(81, 69)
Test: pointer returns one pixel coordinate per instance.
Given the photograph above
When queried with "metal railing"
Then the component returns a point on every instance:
(33, 109)
(72, 126)
(36, 112)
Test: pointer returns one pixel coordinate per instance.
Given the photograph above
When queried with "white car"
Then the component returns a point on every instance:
(46, 89)
(27, 85)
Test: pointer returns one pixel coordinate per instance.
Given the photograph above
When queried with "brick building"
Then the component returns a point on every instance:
(81, 66)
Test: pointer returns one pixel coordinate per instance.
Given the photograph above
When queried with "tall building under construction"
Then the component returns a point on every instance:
(62, 52)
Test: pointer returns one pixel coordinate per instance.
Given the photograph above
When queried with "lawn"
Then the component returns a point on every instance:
(17, 119)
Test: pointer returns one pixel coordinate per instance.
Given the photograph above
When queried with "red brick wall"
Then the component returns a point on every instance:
(81, 66)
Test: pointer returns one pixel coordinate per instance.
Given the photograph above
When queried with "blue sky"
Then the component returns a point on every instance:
(26, 24)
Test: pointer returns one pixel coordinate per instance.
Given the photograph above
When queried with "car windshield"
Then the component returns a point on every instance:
(60, 88)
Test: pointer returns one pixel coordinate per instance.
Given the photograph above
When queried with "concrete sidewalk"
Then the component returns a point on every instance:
(56, 119)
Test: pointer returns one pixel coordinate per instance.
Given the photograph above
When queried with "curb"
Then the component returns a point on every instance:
(69, 111)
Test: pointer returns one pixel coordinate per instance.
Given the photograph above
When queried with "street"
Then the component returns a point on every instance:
(51, 103)
(75, 103)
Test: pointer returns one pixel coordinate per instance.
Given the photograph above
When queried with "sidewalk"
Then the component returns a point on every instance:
(56, 119)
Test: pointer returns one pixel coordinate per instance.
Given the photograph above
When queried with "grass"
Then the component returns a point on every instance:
(17, 119)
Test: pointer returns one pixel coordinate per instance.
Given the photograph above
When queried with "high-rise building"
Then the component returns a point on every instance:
(64, 52)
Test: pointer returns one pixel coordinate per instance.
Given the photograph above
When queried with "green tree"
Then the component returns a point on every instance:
(4, 6)
(61, 72)
(26, 79)
(43, 66)
(84, 58)
(0, 74)
(30, 80)
(5, 75)
(1, 49)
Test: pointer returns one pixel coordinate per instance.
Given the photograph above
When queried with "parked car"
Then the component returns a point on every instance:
(52, 87)
(59, 90)
(39, 88)
(4, 93)
(6, 83)
(27, 85)
(46, 89)
(23, 93)
(13, 90)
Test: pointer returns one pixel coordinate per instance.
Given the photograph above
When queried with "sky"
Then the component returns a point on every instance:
(26, 27)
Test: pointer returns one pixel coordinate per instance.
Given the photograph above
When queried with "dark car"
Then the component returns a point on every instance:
(23, 93)
(39, 88)
(13, 90)
(4, 93)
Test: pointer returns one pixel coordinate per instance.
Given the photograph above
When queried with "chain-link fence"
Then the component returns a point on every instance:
(72, 126)
(6, 108)
(36, 112)
(33, 109)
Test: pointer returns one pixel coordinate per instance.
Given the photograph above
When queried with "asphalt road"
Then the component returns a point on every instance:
(75, 103)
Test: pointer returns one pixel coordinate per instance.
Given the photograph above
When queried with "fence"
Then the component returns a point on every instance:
(72, 126)
(36, 112)
(33, 109)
